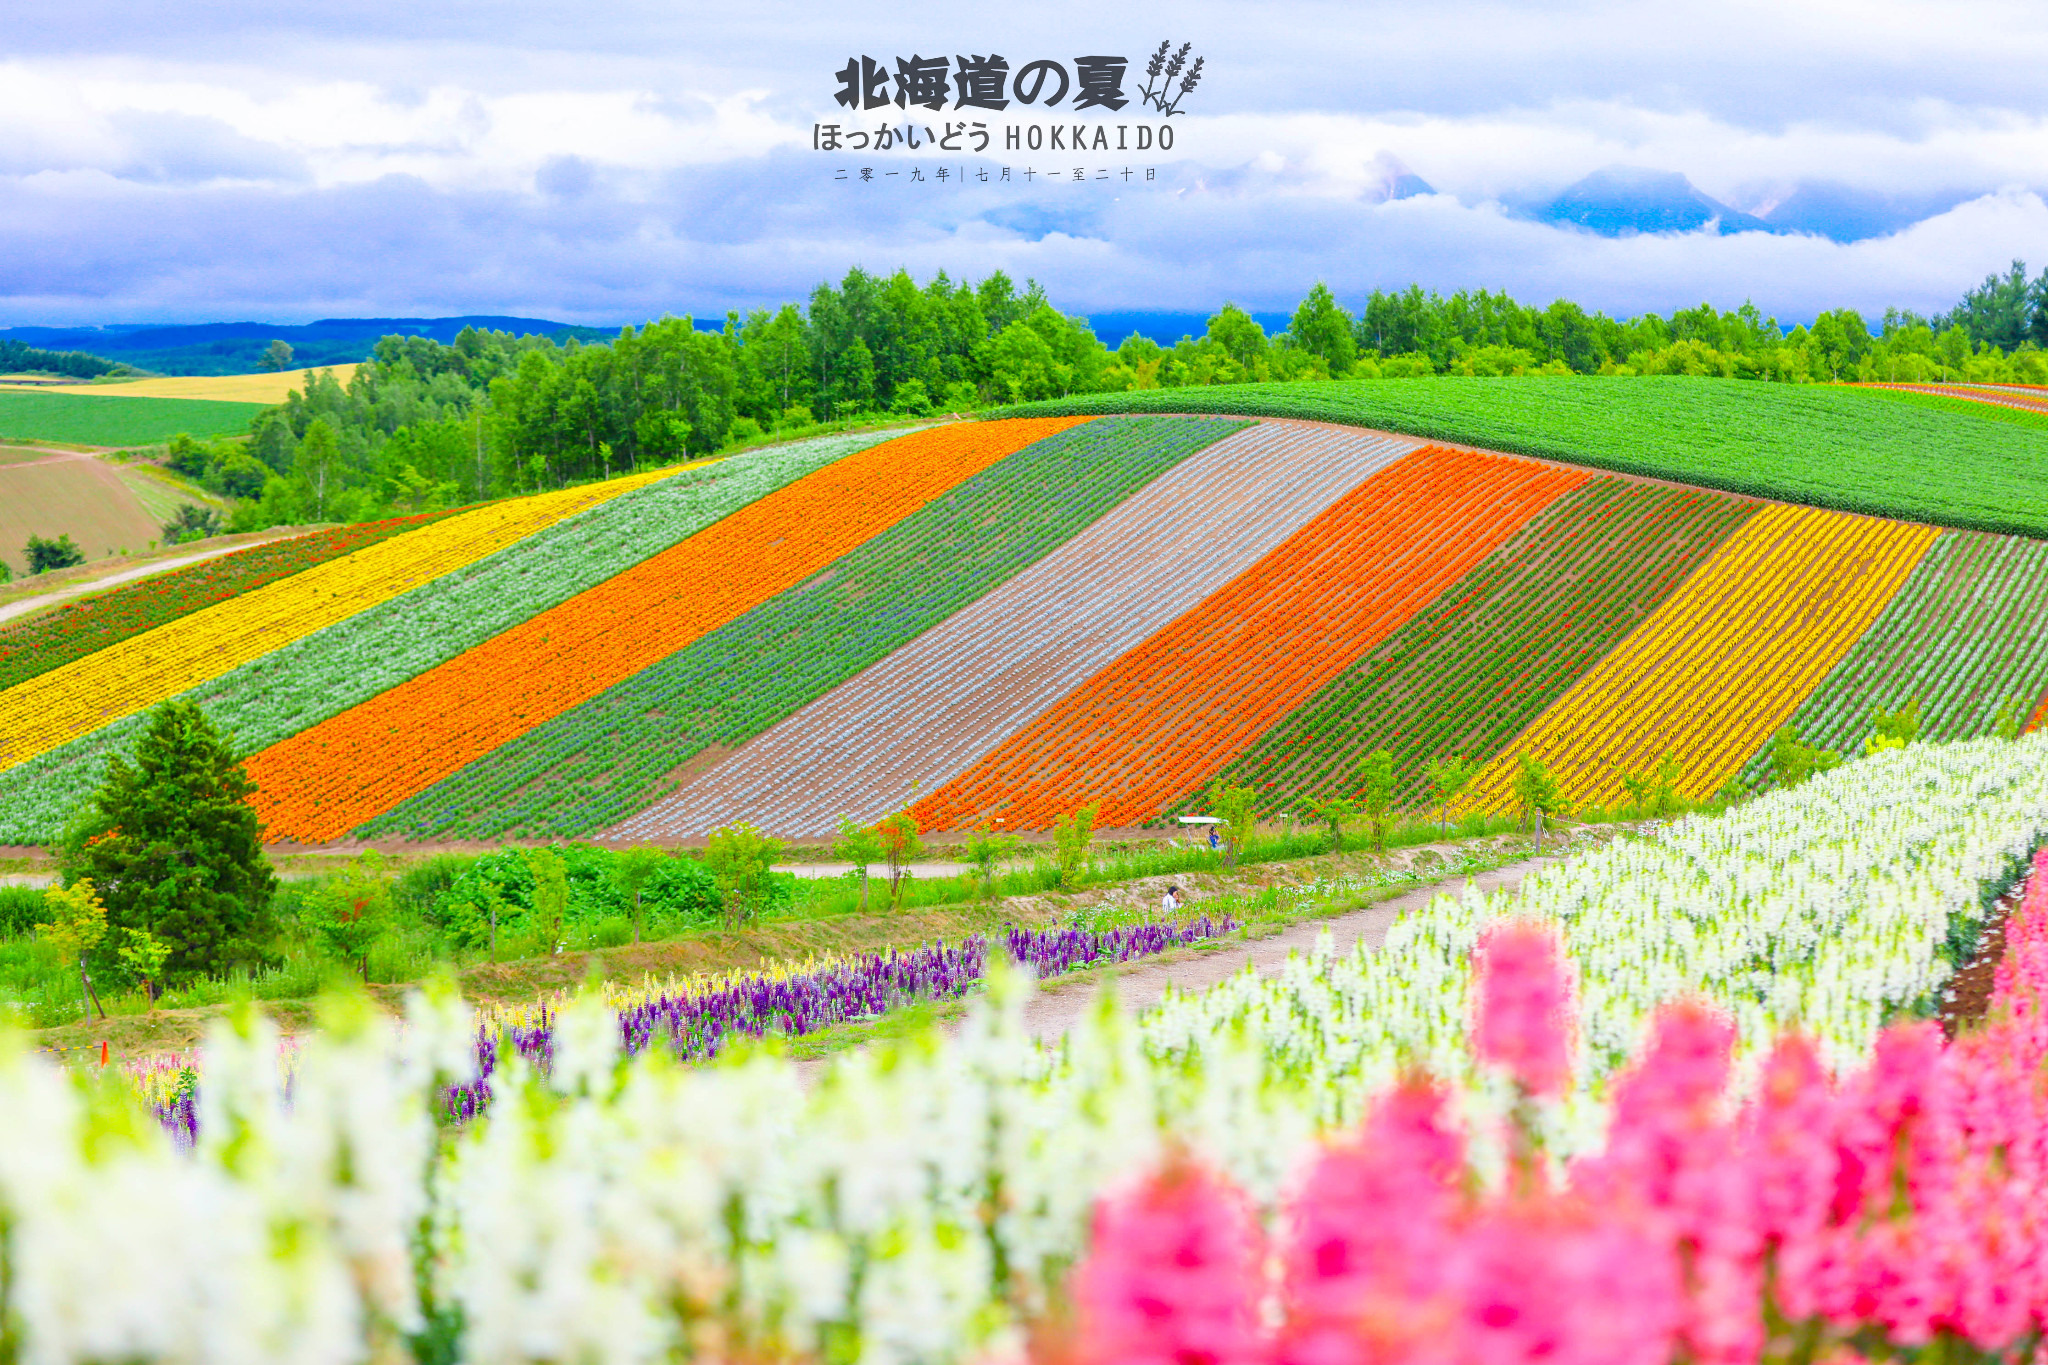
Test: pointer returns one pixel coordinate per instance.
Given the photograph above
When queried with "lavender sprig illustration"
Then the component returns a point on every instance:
(1188, 83)
(1149, 94)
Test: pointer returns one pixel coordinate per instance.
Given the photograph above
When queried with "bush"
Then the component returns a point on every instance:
(21, 909)
(61, 553)
(453, 893)
(421, 889)
(911, 399)
(191, 522)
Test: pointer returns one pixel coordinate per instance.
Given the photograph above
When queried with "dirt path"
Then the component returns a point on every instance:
(29, 604)
(876, 871)
(1061, 1004)
(1057, 1007)
(50, 457)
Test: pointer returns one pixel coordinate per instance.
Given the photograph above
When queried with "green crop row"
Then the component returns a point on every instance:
(1966, 634)
(1466, 674)
(592, 766)
(1821, 445)
(322, 675)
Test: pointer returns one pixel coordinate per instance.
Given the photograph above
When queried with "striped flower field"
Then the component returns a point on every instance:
(1725, 660)
(326, 780)
(1000, 622)
(1147, 728)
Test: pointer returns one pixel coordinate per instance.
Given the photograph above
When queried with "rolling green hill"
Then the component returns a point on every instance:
(1822, 445)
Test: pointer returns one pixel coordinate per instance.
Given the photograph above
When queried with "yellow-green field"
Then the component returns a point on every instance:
(220, 388)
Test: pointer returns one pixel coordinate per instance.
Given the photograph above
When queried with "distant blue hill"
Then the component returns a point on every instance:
(1167, 328)
(237, 347)
(1618, 201)
(1845, 214)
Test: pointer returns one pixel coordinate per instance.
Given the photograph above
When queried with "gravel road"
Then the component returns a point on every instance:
(29, 604)
(1061, 1004)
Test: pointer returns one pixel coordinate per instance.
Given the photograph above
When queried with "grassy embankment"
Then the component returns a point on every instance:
(1285, 877)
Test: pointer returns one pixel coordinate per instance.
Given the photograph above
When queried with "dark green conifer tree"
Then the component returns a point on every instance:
(175, 848)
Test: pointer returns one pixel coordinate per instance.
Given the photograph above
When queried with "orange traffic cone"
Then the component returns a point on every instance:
(103, 1052)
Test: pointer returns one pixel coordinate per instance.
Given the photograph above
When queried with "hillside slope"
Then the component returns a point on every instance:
(1467, 673)
(1822, 445)
(1008, 620)
(106, 510)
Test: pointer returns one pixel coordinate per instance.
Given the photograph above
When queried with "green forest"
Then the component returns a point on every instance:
(20, 357)
(426, 425)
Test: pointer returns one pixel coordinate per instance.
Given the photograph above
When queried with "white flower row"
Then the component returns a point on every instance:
(906, 1204)
(1824, 908)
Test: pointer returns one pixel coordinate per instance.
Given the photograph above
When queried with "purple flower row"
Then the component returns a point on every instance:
(696, 1026)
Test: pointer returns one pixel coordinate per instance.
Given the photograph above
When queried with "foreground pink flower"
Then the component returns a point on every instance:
(1522, 999)
(1671, 1159)
(1904, 1208)
(1173, 1277)
(1370, 1233)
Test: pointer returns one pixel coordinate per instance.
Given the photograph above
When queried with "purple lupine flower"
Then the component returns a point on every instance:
(696, 1026)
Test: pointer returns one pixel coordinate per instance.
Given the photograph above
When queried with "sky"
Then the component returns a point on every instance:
(203, 160)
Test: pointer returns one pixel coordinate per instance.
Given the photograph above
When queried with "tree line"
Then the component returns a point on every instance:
(426, 424)
(18, 357)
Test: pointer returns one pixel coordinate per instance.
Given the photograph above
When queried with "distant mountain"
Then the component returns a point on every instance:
(237, 347)
(1168, 328)
(1618, 201)
(1033, 222)
(1844, 214)
(1393, 180)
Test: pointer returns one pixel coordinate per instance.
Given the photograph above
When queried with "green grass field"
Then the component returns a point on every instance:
(161, 492)
(87, 419)
(1858, 450)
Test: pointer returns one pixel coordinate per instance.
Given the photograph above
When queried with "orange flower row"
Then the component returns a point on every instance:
(322, 782)
(1162, 718)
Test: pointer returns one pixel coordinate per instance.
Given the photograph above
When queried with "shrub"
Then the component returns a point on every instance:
(21, 909)
(61, 553)
(1071, 835)
(742, 860)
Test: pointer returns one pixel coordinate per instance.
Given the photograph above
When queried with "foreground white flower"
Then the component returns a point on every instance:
(914, 1200)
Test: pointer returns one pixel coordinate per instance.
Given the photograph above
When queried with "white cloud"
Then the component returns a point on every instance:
(609, 164)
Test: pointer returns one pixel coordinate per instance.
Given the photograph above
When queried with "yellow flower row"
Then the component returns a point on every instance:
(1723, 662)
(137, 673)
